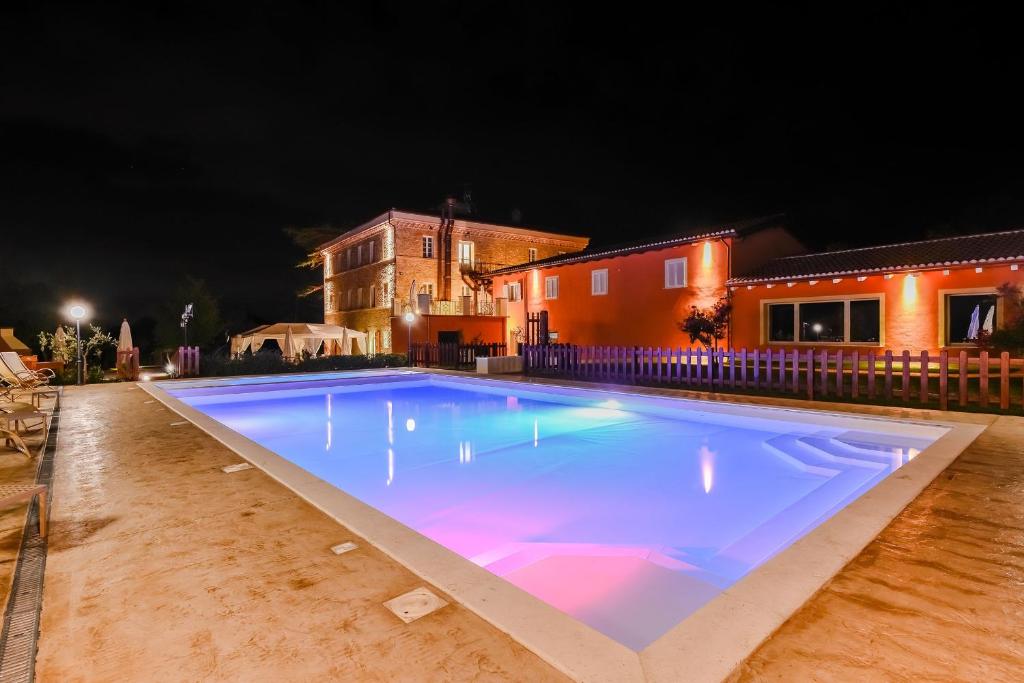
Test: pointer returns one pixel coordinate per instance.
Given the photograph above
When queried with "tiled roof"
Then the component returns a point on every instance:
(688, 237)
(946, 252)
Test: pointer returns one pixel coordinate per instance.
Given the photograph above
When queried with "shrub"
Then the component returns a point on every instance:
(219, 365)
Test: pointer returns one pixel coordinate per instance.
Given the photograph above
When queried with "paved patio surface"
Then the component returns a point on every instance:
(161, 567)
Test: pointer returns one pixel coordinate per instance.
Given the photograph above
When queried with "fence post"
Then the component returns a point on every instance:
(732, 368)
(768, 368)
(632, 365)
(871, 374)
(721, 368)
(1004, 380)
(757, 369)
(905, 377)
(983, 379)
(924, 377)
(796, 371)
(888, 375)
(824, 373)
(743, 366)
(782, 370)
(943, 380)
(689, 364)
(679, 365)
(962, 378)
(855, 374)
(839, 373)
(810, 374)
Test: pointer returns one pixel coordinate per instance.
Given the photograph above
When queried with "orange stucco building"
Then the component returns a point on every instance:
(928, 295)
(638, 293)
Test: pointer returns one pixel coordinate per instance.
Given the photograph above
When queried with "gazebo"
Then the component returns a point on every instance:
(310, 337)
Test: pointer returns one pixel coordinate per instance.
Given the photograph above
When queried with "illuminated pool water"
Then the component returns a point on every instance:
(627, 513)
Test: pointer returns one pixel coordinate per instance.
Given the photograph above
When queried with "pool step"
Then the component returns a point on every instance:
(820, 454)
(788, 449)
(839, 452)
(884, 443)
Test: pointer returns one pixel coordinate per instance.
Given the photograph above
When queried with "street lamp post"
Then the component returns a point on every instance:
(78, 312)
(409, 318)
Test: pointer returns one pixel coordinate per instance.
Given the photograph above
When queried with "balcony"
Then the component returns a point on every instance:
(463, 305)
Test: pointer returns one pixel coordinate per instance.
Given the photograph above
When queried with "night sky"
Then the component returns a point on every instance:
(139, 145)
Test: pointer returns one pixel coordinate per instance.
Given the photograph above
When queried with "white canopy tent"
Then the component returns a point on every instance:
(309, 337)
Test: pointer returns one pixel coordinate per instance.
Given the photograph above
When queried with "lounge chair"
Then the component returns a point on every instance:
(15, 382)
(20, 493)
(16, 416)
(16, 368)
(13, 440)
(13, 393)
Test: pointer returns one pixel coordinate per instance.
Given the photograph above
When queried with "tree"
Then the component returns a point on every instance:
(1010, 335)
(206, 328)
(308, 239)
(708, 325)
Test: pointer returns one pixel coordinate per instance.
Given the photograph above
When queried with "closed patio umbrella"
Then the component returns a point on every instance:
(346, 344)
(58, 344)
(289, 344)
(972, 329)
(124, 341)
(990, 320)
(412, 296)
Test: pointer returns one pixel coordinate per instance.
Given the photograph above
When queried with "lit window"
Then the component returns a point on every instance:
(531, 255)
(359, 255)
(359, 298)
(465, 253)
(837, 322)
(373, 297)
(428, 246)
(369, 247)
(969, 314)
(348, 257)
(599, 282)
(675, 273)
(427, 288)
(514, 291)
(551, 287)
(822, 321)
(348, 298)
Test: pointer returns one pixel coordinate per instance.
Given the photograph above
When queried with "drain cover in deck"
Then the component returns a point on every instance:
(414, 604)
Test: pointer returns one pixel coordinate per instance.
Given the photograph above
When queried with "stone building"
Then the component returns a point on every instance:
(433, 265)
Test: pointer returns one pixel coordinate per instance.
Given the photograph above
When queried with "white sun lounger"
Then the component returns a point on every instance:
(13, 368)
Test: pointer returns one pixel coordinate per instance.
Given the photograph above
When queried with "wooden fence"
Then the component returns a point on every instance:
(452, 355)
(186, 361)
(988, 381)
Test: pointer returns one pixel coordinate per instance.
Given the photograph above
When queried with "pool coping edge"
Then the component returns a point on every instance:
(711, 643)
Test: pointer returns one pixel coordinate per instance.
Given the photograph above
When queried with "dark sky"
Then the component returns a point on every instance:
(140, 144)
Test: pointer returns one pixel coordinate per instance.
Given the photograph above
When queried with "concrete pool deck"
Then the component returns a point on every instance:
(162, 567)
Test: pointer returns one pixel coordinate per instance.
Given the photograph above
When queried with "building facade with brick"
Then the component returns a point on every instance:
(434, 265)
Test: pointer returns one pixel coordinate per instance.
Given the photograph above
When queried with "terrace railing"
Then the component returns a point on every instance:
(459, 356)
(986, 381)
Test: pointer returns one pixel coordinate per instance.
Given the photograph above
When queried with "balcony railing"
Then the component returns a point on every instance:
(460, 306)
(480, 267)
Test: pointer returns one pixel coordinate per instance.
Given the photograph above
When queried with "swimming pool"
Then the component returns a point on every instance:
(627, 512)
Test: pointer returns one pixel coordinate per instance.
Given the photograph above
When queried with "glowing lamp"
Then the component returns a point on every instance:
(816, 327)
(910, 289)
